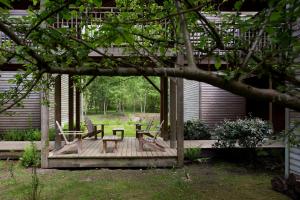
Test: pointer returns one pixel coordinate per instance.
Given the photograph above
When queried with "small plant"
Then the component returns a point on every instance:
(246, 133)
(11, 170)
(31, 156)
(196, 130)
(192, 154)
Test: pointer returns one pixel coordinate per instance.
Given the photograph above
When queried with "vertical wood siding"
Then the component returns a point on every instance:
(217, 104)
(294, 157)
(27, 116)
(191, 99)
(294, 161)
(64, 102)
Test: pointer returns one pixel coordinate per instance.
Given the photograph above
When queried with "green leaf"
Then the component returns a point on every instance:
(238, 5)
(275, 16)
(6, 3)
(218, 62)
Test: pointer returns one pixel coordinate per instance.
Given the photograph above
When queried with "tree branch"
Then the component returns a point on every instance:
(37, 79)
(233, 86)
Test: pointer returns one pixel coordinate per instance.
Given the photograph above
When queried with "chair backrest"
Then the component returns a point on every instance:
(158, 131)
(149, 125)
(89, 125)
(61, 132)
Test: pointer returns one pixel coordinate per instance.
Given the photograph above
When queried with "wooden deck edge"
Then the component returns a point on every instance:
(108, 156)
(112, 163)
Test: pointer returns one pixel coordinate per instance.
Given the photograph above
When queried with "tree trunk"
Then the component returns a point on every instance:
(145, 103)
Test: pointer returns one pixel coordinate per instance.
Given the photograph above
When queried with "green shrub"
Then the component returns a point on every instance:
(192, 154)
(52, 133)
(25, 135)
(31, 156)
(196, 130)
(248, 132)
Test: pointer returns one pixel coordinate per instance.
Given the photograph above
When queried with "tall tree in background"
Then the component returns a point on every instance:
(122, 94)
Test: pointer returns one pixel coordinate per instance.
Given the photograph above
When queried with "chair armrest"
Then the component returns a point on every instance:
(73, 133)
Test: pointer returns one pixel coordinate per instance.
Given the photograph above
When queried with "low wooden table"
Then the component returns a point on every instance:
(121, 130)
(111, 138)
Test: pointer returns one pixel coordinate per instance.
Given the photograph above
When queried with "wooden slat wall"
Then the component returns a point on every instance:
(217, 104)
(191, 99)
(294, 159)
(27, 116)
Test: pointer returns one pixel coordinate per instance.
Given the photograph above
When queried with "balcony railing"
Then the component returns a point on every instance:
(82, 22)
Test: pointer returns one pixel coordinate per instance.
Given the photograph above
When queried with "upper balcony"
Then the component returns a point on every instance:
(88, 22)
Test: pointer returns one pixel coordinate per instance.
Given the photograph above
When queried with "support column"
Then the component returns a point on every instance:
(78, 106)
(180, 120)
(165, 128)
(172, 112)
(180, 123)
(57, 110)
(45, 131)
(71, 104)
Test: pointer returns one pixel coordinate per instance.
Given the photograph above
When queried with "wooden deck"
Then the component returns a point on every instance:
(127, 155)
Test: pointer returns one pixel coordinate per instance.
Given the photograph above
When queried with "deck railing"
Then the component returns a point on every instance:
(80, 22)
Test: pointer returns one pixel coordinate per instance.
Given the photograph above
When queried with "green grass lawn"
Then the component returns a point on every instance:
(116, 120)
(207, 181)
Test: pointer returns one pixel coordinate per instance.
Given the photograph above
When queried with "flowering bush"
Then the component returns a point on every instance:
(248, 132)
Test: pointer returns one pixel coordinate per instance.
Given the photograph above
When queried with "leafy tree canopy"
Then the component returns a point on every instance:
(149, 38)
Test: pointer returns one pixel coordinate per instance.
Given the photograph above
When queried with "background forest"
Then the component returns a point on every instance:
(121, 94)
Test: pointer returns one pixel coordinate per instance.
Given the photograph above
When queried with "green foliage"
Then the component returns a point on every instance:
(196, 130)
(25, 135)
(31, 156)
(122, 94)
(248, 132)
(192, 154)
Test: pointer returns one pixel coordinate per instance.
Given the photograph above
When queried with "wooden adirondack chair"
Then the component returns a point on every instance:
(92, 129)
(77, 141)
(146, 130)
(151, 140)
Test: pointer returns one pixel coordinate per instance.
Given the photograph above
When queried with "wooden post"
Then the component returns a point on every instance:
(165, 127)
(78, 105)
(180, 120)
(71, 104)
(180, 123)
(164, 106)
(270, 103)
(138, 127)
(45, 132)
(172, 112)
(57, 110)
(161, 102)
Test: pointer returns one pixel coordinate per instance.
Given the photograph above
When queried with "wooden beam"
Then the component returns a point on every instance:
(152, 83)
(77, 108)
(45, 132)
(71, 104)
(172, 112)
(57, 110)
